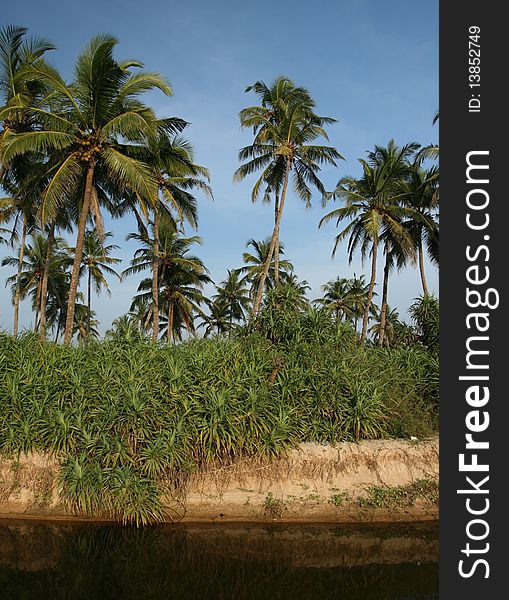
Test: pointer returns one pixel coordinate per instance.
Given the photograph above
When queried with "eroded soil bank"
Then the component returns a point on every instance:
(386, 481)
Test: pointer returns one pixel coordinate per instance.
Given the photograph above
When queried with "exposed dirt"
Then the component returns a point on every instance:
(312, 483)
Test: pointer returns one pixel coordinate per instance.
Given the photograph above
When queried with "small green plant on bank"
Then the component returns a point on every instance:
(379, 496)
(340, 498)
(274, 507)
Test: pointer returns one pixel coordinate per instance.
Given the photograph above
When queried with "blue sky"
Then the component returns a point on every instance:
(373, 65)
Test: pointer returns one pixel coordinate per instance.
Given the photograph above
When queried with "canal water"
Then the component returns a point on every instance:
(219, 561)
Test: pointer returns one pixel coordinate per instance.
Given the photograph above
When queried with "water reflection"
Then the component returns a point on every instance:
(223, 562)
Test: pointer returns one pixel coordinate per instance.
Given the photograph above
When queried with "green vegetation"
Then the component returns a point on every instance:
(340, 498)
(129, 420)
(273, 506)
(130, 416)
(400, 496)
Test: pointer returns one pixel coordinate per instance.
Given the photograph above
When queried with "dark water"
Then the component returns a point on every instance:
(223, 561)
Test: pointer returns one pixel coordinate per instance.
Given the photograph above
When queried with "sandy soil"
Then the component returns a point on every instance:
(304, 486)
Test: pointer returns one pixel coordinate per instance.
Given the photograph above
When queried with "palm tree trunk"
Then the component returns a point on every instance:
(170, 321)
(383, 312)
(37, 306)
(17, 294)
(155, 282)
(275, 236)
(276, 247)
(421, 269)
(78, 254)
(89, 286)
(45, 277)
(365, 318)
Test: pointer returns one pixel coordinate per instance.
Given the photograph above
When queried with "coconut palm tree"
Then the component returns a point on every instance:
(284, 125)
(181, 278)
(397, 243)
(29, 282)
(421, 187)
(425, 313)
(7, 235)
(141, 316)
(360, 292)
(95, 262)
(233, 296)
(391, 327)
(18, 91)
(255, 261)
(172, 161)
(295, 290)
(85, 326)
(62, 222)
(22, 181)
(19, 95)
(373, 206)
(338, 298)
(219, 318)
(96, 123)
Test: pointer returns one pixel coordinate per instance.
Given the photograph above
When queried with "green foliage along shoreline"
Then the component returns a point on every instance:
(130, 420)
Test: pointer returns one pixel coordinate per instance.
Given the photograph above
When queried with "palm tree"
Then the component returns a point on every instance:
(398, 246)
(7, 211)
(96, 124)
(63, 221)
(338, 298)
(391, 328)
(373, 206)
(19, 96)
(421, 187)
(284, 126)
(233, 296)
(6, 214)
(292, 292)
(22, 206)
(425, 313)
(29, 281)
(85, 326)
(255, 261)
(360, 292)
(172, 161)
(181, 278)
(141, 316)
(95, 262)
(56, 307)
(219, 318)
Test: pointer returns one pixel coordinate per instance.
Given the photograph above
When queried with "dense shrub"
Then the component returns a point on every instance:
(124, 417)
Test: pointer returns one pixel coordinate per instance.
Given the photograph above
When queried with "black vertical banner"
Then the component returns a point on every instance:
(474, 223)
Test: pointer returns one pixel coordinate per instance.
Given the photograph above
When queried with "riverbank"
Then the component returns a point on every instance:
(372, 481)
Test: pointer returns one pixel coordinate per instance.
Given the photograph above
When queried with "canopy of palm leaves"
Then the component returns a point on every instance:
(181, 278)
(285, 127)
(28, 284)
(375, 210)
(218, 320)
(85, 326)
(233, 295)
(341, 298)
(97, 125)
(254, 264)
